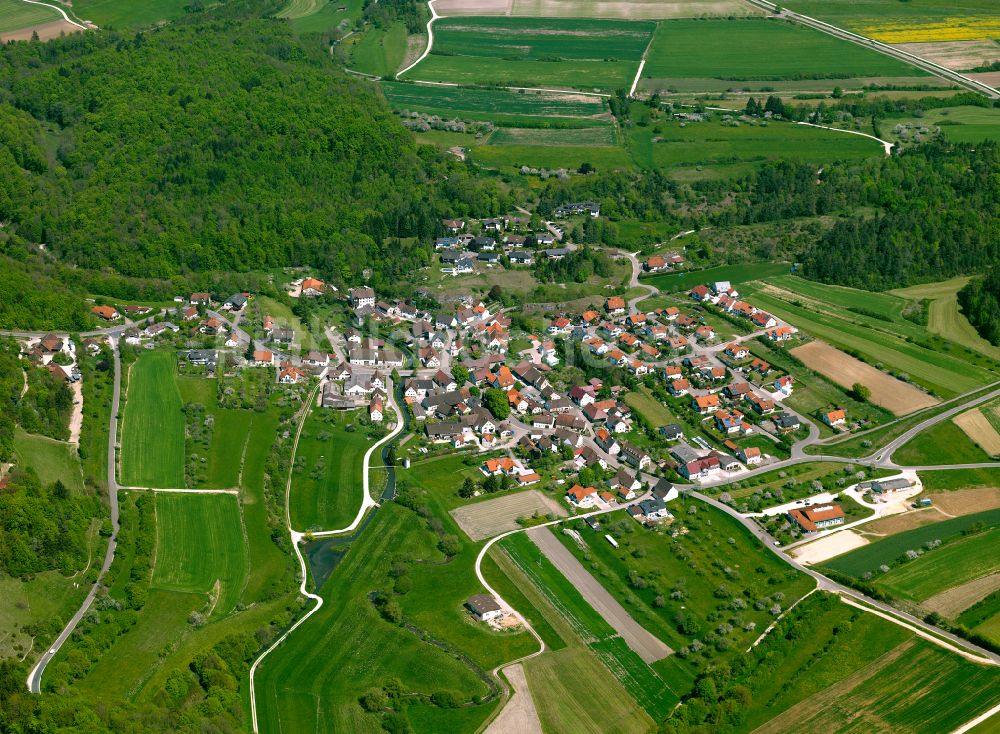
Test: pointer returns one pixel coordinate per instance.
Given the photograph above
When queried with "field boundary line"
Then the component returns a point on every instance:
(181, 490)
(553, 90)
(969, 725)
(430, 39)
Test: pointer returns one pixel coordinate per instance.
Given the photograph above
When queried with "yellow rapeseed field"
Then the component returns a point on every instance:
(948, 29)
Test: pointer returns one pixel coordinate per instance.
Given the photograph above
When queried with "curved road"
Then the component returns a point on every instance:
(430, 39)
(35, 676)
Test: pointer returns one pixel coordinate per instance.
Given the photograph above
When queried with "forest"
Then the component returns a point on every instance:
(980, 302)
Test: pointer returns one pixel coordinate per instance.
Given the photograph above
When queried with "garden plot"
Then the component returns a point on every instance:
(899, 397)
(486, 519)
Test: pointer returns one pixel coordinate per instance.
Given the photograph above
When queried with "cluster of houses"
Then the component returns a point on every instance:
(42, 352)
(663, 263)
(726, 299)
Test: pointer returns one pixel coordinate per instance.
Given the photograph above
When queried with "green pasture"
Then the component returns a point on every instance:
(230, 429)
(510, 51)
(888, 550)
(670, 144)
(52, 460)
(313, 681)
(460, 101)
(589, 136)
(120, 14)
(649, 407)
(944, 443)
(379, 51)
(16, 15)
(319, 16)
(940, 569)
(201, 548)
(507, 157)
(962, 124)
(327, 479)
(760, 49)
(35, 610)
(951, 479)
(152, 432)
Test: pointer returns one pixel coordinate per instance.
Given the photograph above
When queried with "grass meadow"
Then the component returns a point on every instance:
(313, 681)
(379, 51)
(52, 460)
(951, 565)
(888, 550)
(152, 441)
(319, 16)
(760, 49)
(573, 53)
(201, 548)
(326, 479)
(16, 15)
(944, 443)
(461, 101)
(230, 432)
(735, 274)
(119, 14)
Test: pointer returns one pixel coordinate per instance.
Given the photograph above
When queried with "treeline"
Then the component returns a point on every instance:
(383, 13)
(980, 302)
(42, 528)
(251, 151)
(30, 397)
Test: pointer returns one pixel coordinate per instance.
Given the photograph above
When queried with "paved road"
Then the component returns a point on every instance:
(648, 647)
(35, 676)
(826, 584)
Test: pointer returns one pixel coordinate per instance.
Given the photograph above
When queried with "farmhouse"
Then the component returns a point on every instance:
(315, 287)
(484, 607)
(812, 519)
(361, 297)
(105, 312)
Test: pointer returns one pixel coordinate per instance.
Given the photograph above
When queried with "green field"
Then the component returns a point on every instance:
(670, 144)
(940, 569)
(35, 610)
(313, 681)
(589, 136)
(944, 443)
(759, 50)
(649, 407)
(379, 51)
(965, 124)
(651, 689)
(952, 479)
(132, 14)
(152, 433)
(944, 317)
(201, 548)
(326, 480)
(573, 53)
(16, 15)
(52, 460)
(230, 430)
(601, 157)
(318, 16)
(496, 103)
(870, 557)
(735, 274)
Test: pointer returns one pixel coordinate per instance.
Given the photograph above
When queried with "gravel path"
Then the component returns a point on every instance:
(646, 645)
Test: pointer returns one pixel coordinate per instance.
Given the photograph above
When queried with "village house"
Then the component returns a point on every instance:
(484, 608)
(814, 519)
(650, 510)
(835, 418)
(635, 456)
(105, 312)
(581, 496)
(615, 305)
(360, 297)
(313, 287)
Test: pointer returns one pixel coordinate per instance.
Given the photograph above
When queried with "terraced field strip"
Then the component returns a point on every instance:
(892, 394)
(464, 100)
(957, 599)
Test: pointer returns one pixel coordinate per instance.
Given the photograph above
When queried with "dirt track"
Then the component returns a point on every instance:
(646, 645)
(892, 394)
(519, 715)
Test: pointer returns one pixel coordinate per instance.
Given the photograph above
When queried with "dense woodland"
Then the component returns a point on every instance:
(980, 301)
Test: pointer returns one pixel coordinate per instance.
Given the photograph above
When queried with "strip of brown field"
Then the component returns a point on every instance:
(952, 602)
(894, 395)
(979, 430)
(45, 31)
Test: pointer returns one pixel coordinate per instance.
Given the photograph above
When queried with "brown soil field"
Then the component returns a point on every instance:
(483, 520)
(899, 397)
(974, 425)
(956, 55)
(519, 715)
(966, 501)
(954, 601)
(45, 31)
(828, 547)
(987, 77)
(901, 523)
(645, 644)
